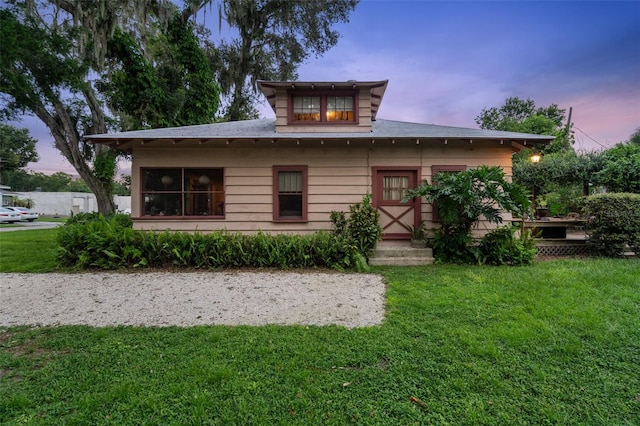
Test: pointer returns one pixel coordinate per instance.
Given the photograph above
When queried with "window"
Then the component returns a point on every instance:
(340, 108)
(182, 192)
(332, 108)
(394, 187)
(446, 169)
(290, 193)
(306, 108)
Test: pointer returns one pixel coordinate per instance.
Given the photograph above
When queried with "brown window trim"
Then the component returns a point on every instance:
(305, 192)
(377, 187)
(435, 217)
(323, 94)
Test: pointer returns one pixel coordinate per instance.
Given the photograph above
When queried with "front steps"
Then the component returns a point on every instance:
(400, 253)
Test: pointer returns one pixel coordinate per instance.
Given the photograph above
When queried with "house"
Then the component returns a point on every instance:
(323, 151)
(6, 196)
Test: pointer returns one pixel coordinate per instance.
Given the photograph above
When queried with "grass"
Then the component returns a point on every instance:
(28, 251)
(554, 343)
(53, 218)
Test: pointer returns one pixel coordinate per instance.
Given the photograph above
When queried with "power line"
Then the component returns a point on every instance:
(581, 131)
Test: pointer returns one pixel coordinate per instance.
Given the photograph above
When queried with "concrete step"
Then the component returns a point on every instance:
(400, 261)
(400, 254)
(403, 252)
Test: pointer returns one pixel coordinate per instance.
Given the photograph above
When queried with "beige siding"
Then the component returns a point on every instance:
(338, 176)
(281, 108)
(364, 109)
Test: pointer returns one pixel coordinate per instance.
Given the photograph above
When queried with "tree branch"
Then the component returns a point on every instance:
(99, 124)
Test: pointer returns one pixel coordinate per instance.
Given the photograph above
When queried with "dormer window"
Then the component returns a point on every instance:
(329, 107)
(306, 108)
(340, 108)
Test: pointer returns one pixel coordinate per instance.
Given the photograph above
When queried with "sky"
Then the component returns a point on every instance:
(446, 61)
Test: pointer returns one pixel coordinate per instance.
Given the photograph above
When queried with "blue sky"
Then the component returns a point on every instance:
(447, 60)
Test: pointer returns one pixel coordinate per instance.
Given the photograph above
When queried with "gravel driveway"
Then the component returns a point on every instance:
(192, 298)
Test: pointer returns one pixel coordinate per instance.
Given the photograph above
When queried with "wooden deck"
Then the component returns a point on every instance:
(556, 228)
(558, 236)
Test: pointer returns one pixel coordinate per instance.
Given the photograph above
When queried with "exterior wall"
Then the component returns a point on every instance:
(66, 203)
(339, 175)
(363, 110)
(6, 195)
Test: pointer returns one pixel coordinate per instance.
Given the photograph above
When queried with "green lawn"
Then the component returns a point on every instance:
(28, 251)
(554, 343)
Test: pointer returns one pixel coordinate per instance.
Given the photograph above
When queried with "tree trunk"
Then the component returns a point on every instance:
(68, 141)
(102, 191)
(106, 205)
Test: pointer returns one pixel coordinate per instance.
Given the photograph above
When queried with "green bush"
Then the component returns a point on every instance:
(563, 199)
(450, 246)
(123, 220)
(94, 240)
(613, 221)
(503, 246)
(462, 199)
(107, 243)
(361, 229)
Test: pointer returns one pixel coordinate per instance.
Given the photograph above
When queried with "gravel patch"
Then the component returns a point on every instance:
(192, 298)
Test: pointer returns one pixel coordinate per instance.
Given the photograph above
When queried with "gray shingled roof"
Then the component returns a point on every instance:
(265, 129)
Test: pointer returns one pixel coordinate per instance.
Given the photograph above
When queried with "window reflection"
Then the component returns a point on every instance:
(183, 192)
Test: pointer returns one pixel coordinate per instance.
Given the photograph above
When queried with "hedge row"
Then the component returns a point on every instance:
(111, 243)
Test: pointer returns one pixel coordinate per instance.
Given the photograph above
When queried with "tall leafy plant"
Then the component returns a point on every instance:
(462, 199)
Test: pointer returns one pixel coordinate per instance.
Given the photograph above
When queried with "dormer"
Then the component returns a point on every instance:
(324, 107)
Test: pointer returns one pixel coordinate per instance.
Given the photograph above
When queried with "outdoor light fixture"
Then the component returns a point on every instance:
(535, 158)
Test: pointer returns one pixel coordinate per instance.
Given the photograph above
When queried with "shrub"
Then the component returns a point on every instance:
(107, 243)
(123, 220)
(503, 246)
(26, 202)
(94, 240)
(613, 221)
(361, 229)
(452, 247)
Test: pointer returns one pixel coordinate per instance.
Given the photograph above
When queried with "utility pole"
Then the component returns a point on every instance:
(568, 128)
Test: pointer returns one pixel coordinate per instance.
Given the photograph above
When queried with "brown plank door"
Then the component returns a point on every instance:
(389, 186)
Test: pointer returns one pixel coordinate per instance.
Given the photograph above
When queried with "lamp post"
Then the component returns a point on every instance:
(535, 159)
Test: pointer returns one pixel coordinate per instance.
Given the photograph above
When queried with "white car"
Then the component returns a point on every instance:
(8, 216)
(25, 213)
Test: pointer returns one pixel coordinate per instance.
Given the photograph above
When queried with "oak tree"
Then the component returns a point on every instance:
(50, 56)
(273, 38)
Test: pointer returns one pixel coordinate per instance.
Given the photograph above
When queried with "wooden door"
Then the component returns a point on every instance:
(389, 186)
